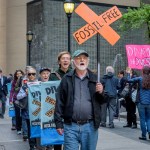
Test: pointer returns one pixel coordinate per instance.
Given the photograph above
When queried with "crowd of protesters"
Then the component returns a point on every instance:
(81, 101)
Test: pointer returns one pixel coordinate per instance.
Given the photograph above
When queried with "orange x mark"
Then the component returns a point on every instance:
(97, 24)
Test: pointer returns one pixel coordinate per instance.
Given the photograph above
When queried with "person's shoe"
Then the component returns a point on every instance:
(127, 126)
(102, 125)
(33, 148)
(111, 126)
(2, 116)
(13, 128)
(116, 116)
(19, 132)
(134, 126)
(49, 147)
(142, 138)
(25, 137)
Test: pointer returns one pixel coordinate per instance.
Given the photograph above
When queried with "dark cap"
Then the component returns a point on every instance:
(44, 69)
(79, 52)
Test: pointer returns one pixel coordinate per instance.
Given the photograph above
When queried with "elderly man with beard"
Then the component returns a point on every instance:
(78, 105)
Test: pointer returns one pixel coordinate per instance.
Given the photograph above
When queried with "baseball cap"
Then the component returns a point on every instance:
(79, 52)
(44, 69)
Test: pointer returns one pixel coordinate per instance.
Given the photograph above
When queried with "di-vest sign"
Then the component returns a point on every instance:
(97, 24)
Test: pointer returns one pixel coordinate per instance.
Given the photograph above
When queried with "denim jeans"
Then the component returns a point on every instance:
(111, 106)
(84, 135)
(13, 121)
(24, 127)
(144, 113)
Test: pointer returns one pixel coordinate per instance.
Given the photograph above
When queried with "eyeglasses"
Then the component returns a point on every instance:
(65, 58)
(33, 74)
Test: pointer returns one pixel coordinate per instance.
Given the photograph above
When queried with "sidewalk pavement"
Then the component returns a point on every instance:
(117, 138)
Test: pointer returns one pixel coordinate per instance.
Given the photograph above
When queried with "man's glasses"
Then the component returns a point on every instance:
(33, 74)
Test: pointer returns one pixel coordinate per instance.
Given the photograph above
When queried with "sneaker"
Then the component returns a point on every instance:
(127, 126)
(142, 138)
(33, 148)
(2, 116)
(111, 126)
(13, 128)
(19, 132)
(134, 126)
(116, 116)
(102, 125)
(25, 137)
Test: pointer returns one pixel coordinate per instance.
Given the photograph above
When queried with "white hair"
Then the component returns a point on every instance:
(109, 69)
(31, 69)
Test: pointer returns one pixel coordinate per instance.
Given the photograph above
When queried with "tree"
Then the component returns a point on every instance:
(135, 18)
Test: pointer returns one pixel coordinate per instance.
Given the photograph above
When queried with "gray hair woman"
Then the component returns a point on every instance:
(31, 76)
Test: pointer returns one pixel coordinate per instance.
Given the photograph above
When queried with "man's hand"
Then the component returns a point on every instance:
(99, 88)
(60, 131)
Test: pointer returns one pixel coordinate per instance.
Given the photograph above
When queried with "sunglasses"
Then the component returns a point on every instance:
(33, 74)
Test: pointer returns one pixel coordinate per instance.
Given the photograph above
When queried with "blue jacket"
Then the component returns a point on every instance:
(144, 94)
(111, 84)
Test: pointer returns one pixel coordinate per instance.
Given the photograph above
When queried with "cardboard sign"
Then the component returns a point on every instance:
(138, 56)
(97, 23)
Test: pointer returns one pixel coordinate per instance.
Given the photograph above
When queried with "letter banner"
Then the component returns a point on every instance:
(34, 102)
(138, 56)
(49, 135)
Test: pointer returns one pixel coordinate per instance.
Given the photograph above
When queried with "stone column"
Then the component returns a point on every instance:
(16, 34)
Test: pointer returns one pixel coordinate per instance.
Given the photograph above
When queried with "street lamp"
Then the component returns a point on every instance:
(69, 7)
(29, 36)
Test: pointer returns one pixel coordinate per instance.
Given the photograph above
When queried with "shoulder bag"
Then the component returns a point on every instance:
(125, 91)
(134, 95)
(22, 103)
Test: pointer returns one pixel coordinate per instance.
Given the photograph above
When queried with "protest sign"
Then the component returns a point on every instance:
(49, 135)
(34, 102)
(97, 24)
(138, 56)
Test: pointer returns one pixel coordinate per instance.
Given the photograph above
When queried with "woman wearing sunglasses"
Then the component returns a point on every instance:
(31, 76)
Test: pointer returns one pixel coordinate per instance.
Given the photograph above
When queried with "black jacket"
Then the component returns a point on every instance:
(3, 88)
(122, 83)
(65, 100)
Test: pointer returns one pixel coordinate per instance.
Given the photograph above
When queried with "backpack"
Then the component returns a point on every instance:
(110, 87)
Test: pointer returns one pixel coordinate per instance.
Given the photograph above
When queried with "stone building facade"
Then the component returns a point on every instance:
(49, 23)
